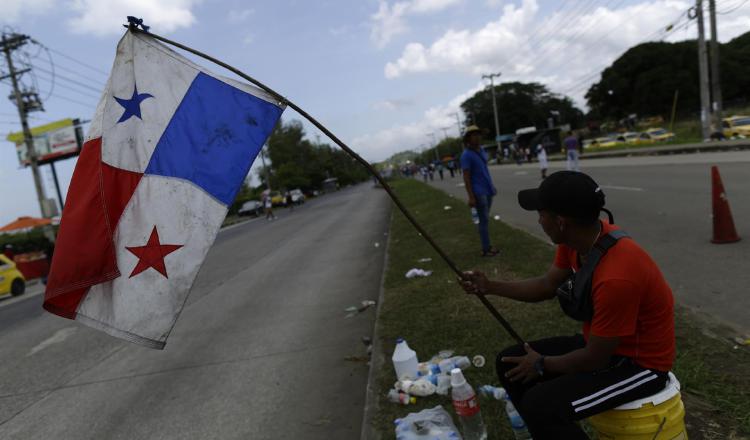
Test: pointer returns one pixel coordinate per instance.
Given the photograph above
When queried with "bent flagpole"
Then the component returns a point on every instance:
(133, 27)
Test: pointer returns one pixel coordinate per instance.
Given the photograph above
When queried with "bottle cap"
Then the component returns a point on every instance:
(457, 378)
(399, 340)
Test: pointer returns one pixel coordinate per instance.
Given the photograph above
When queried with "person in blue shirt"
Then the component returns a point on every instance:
(478, 183)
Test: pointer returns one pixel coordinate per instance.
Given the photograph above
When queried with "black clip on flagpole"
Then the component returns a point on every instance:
(133, 26)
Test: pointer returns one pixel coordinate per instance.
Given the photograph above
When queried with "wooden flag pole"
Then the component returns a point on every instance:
(133, 27)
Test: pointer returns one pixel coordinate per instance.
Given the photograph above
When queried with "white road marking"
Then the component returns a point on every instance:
(622, 188)
(59, 336)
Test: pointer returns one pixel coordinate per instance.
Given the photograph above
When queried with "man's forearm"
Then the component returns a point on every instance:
(530, 290)
(467, 184)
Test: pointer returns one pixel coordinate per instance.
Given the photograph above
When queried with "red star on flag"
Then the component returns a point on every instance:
(152, 255)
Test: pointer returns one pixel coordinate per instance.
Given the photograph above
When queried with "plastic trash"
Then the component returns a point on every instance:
(434, 423)
(478, 361)
(418, 273)
(497, 217)
(404, 360)
(443, 384)
(474, 215)
(422, 388)
(424, 260)
(447, 208)
(397, 396)
(467, 407)
(520, 431)
(497, 393)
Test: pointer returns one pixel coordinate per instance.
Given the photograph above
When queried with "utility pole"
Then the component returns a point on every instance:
(703, 72)
(265, 168)
(437, 153)
(445, 132)
(492, 76)
(715, 76)
(25, 102)
(458, 123)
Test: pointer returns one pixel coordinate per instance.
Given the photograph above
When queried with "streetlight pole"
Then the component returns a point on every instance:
(703, 71)
(492, 77)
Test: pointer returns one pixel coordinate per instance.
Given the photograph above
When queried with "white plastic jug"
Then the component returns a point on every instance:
(404, 360)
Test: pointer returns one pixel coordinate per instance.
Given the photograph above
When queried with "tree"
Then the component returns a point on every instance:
(519, 105)
(643, 80)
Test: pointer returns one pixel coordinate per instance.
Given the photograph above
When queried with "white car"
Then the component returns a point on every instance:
(251, 207)
(298, 197)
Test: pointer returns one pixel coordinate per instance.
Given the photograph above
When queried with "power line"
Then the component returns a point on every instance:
(90, 67)
(65, 78)
(729, 11)
(89, 106)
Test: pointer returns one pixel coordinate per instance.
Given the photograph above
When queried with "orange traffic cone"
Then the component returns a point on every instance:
(724, 231)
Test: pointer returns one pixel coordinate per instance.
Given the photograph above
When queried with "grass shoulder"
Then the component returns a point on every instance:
(434, 314)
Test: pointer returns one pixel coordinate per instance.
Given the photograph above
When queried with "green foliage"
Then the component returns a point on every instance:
(644, 79)
(519, 105)
(299, 163)
(33, 240)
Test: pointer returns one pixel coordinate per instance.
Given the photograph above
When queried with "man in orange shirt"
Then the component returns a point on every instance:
(627, 346)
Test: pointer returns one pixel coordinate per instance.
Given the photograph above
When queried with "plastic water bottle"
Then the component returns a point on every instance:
(474, 215)
(404, 360)
(498, 393)
(520, 431)
(467, 407)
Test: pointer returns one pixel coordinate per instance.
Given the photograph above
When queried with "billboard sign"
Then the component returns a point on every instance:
(53, 141)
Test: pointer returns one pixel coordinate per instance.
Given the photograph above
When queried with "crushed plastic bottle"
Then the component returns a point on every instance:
(498, 393)
(397, 396)
(467, 407)
(520, 431)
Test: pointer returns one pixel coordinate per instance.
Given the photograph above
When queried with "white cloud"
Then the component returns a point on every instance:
(11, 11)
(106, 17)
(393, 104)
(380, 145)
(390, 20)
(240, 16)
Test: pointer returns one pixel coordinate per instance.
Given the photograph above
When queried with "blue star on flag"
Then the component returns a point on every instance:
(132, 106)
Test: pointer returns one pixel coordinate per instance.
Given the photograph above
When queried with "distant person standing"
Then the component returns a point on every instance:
(541, 155)
(478, 183)
(451, 166)
(268, 204)
(440, 169)
(572, 148)
(290, 200)
(423, 171)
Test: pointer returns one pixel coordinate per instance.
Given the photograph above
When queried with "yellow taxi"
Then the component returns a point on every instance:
(657, 135)
(278, 199)
(736, 126)
(603, 142)
(631, 138)
(11, 280)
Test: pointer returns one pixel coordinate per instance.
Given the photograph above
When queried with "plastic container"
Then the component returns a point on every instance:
(497, 393)
(474, 216)
(443, 384)
(517, 425)
(397, 396)
(404, 360)
(642, 419)
(467, 407)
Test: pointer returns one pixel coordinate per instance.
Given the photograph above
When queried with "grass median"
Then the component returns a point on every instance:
(434, 314)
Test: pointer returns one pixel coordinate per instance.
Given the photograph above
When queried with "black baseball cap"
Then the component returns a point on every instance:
(567, 193)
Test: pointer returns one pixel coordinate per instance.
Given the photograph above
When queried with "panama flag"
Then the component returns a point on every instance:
(168, 148)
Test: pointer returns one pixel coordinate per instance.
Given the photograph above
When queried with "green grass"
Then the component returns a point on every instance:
(434, 314)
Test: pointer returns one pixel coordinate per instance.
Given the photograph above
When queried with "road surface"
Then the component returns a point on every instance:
(258, 352)
(664, 202)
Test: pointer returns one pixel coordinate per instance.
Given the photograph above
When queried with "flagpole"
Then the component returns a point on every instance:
(282, 100)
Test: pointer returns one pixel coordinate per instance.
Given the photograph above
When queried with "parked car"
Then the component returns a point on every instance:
(298, 197)
(630, 137)
(278, 199)
(251, 207)
(657, 135)
(603, 142)
(11, 279)
(736, 126)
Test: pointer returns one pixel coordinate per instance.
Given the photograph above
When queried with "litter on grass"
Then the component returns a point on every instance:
(424, 260)
(354, 310)
(412, 273)
(447, 208)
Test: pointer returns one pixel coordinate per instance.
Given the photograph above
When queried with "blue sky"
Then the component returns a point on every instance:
(381, 74)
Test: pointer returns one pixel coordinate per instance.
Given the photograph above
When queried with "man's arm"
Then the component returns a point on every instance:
(469, 190)
(594, 356)
(529, 290)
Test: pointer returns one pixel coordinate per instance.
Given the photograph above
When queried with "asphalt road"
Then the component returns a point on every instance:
(258, 352)
(664, 202)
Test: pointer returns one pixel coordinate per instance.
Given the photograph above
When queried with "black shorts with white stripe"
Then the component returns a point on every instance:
(552, 405)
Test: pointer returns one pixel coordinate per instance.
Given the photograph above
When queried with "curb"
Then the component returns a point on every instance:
(376, 356)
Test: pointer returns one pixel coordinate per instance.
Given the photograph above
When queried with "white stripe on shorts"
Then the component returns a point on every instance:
(610, 388)
(635, 385)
